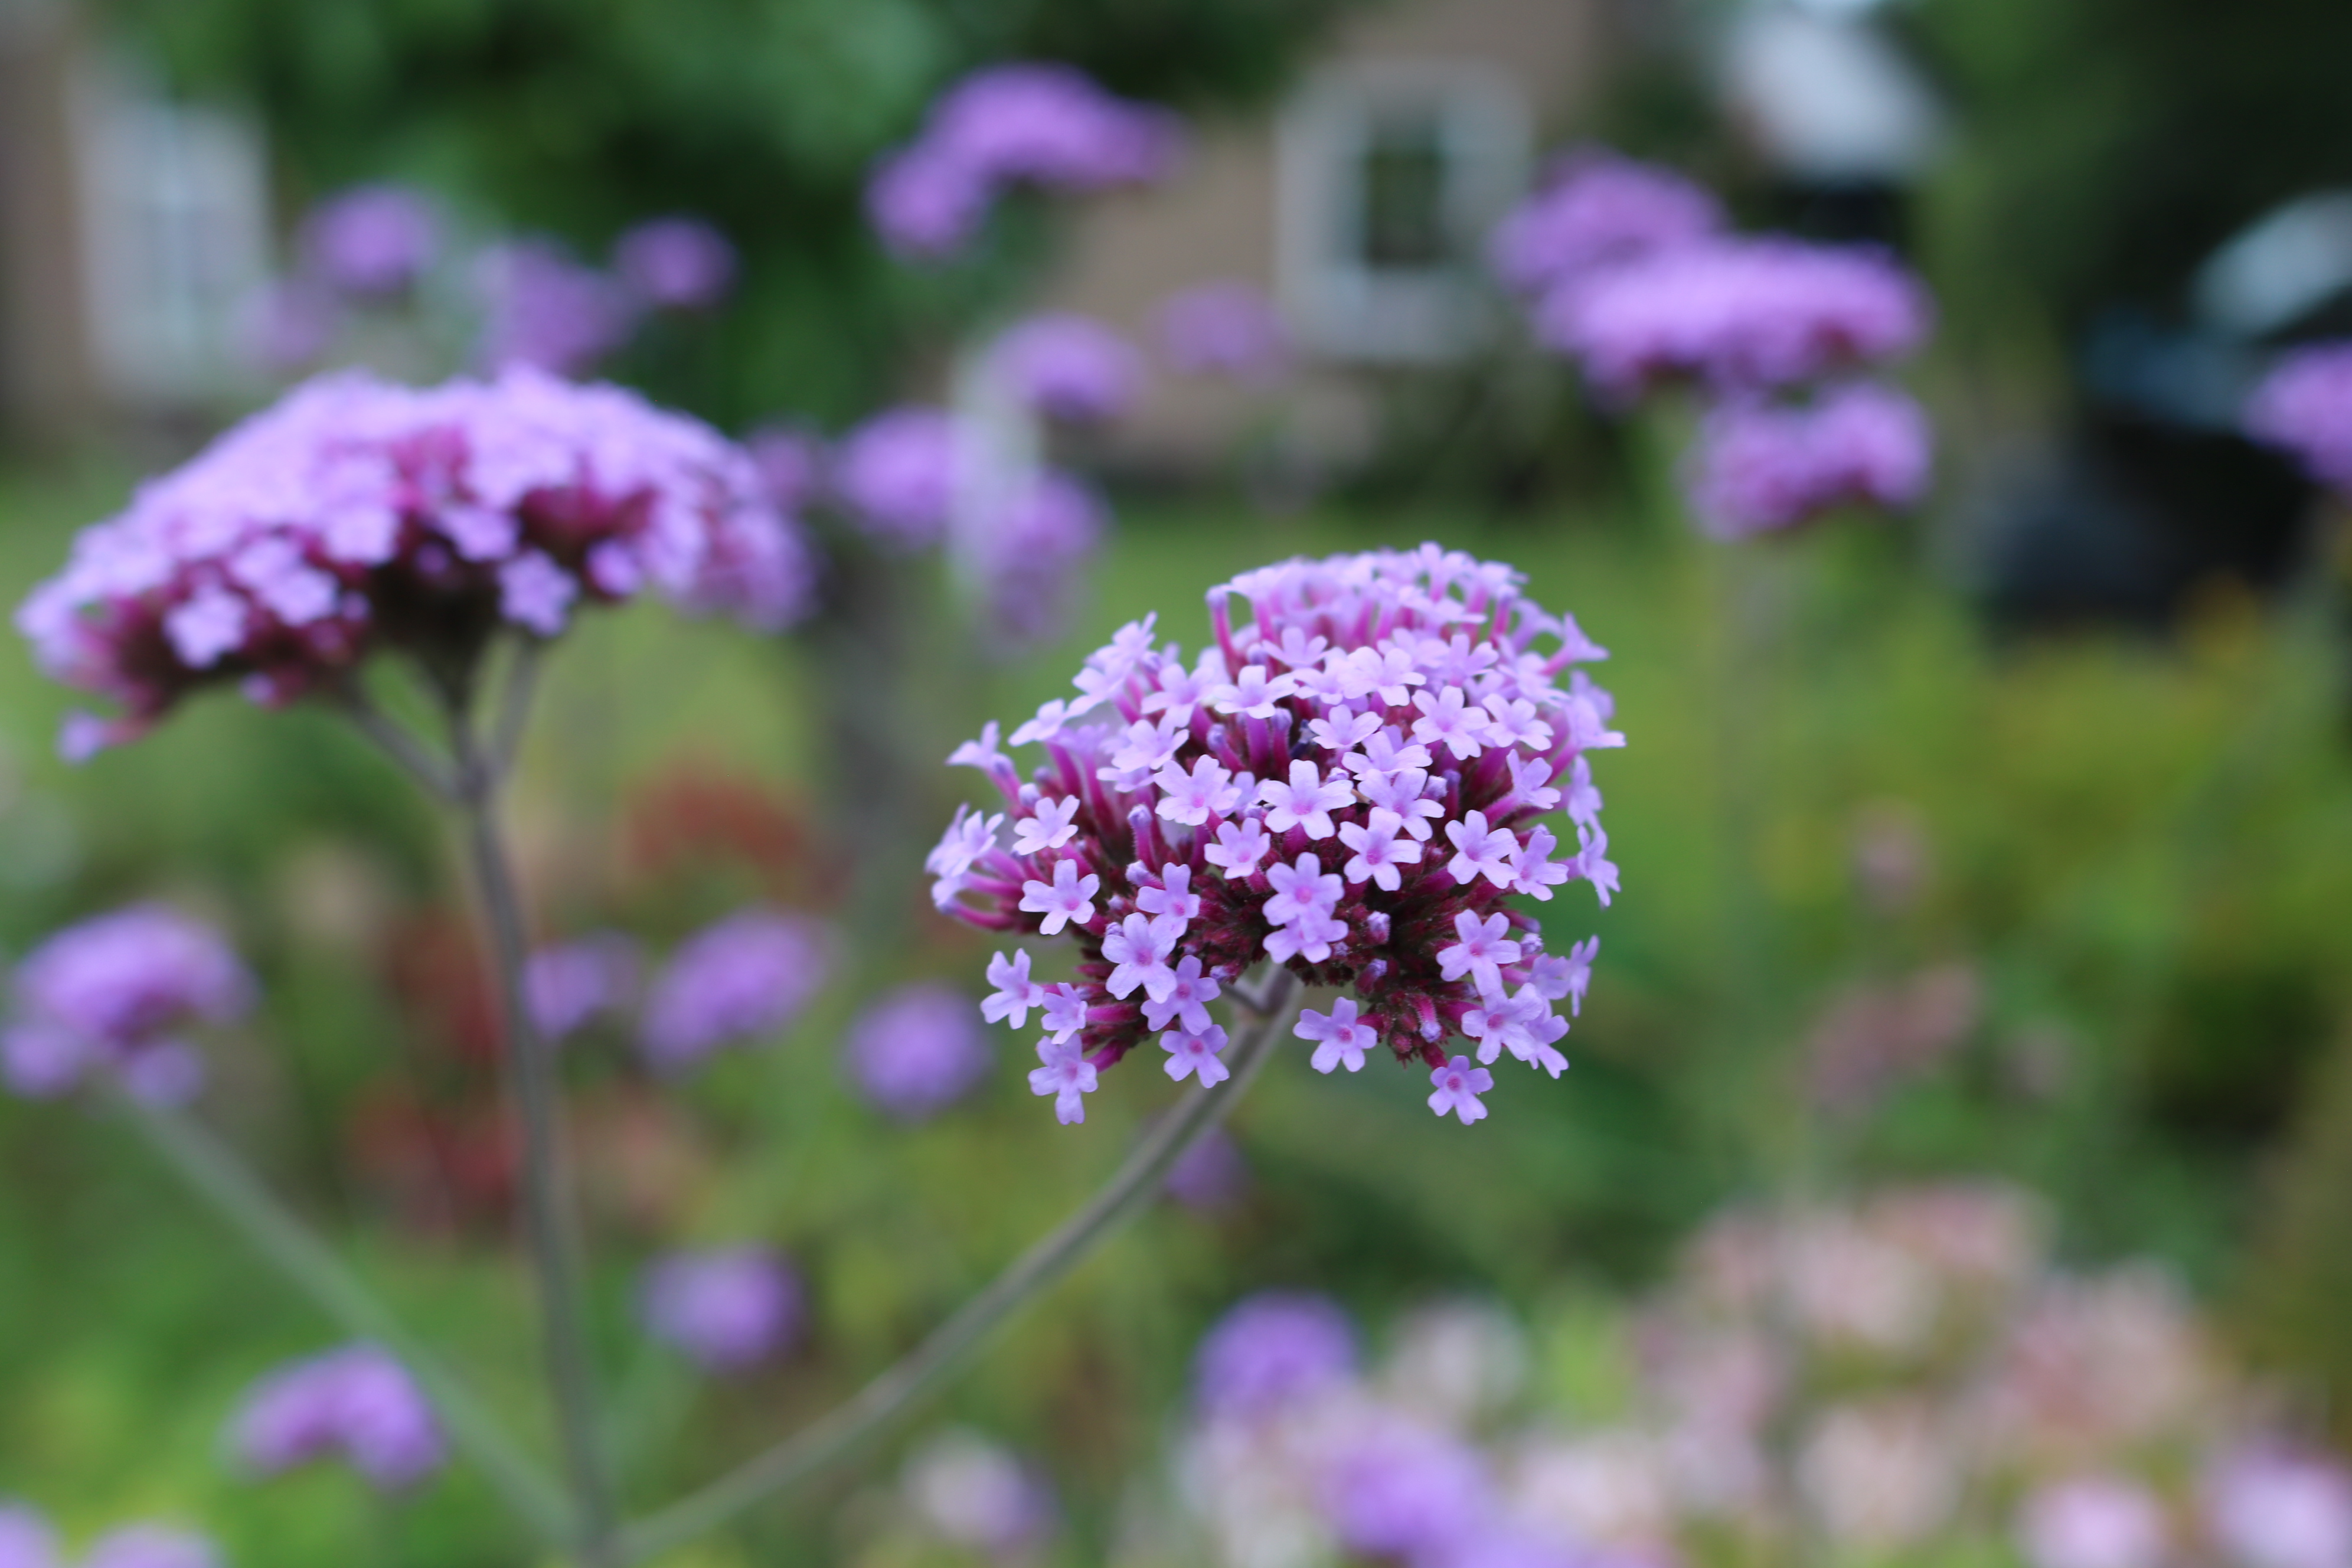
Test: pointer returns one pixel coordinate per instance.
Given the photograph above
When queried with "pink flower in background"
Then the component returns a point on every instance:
(1273, 1349)
(2304, 406)
(676, 264)
(114, 994)
(369, 241)
(1736, 314)
(727, 1310)
(544, 310)
(1228, 329)
(2270, 1507)
(26, 1541)
(978, 1495)
(358, 1403)
(357, 513)
(739, 981)
(2094, 1522)
(1068, 367)
(1028, 551)
(1429, 645)
(897, 475)
(1763, 468)
(917, 1051)
(568, 985)
(1599, 208)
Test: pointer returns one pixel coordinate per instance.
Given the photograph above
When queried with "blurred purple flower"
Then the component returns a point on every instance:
(1028, 552)
(1210, 1175)
(1068, 367)
(897, 475)
(544, 310)
(287, 325)
(151, 1546)
(1398, 1488)
(26, 1539)
(1227, 329)
(2268, 1507)
(2305, 405)
(1762, 467)
(1598, 208)
(792, 462)
(676, 264)
(917, 1051)
(1736, 314)
(727, 1310)
(369, 241)
(2093, 1521)
(739, 980)
(570, 984)
(1046, 125)
(114, 991)
(358, 1403)
(977, 1494)
(1271, 1350)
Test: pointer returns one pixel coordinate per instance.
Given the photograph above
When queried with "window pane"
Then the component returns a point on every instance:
(1403, 179)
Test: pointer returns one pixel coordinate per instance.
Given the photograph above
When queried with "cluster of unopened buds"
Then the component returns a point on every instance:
(1350, 782)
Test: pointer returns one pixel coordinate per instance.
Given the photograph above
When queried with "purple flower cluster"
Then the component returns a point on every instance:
(676, 264)
(1629, 272)
(727, 1310)
(897, 474)
(1349, 781)
(114, 994)
(568, 985)
(2305, 405)
(1761, 467)
(1228, 329)
(357, 1403)
(1042, 125)
(1274, 1348)
(1735, 315)
(544, 310)
(740, 980)
(916, 1051)
(1025, 550)
(1068, 367)
(28, 1542)
(978, 1495)
(357, 514)
(1599, 208)
(371, 241)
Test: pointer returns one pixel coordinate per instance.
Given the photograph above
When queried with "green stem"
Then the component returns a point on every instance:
(213, 1172)
(835, 1436)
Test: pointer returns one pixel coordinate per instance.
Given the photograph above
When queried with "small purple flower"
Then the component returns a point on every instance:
(1273, 1349)
(1196, 1054)
(792, 464)
(1760, 468)
(1599, 208)
(2304, 406)
(26, 1539)
(2272, 1507)
(1338, 1038)
(897, 475)
(371, 241)
(1228, 329)
(1068, 367)
(548, 311)
(151, 1546)
(570, 984)
(114, 991)
(1400, 1490)
(1736, 314)
(740, 980)
(926, 201)
(917, 1051)
(1458, 1087)
(676, 264)
(977, 1494)
(1065, 1075)
(359, 1403)
(727, 1310)
(2094, 1522)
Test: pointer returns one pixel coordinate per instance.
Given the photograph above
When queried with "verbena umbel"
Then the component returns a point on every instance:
(1352, 780)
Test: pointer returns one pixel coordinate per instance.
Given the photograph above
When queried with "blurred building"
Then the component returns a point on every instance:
(1361, 206)
(132, 231)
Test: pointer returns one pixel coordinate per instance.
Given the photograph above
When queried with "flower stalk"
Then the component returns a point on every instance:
(835, 1436)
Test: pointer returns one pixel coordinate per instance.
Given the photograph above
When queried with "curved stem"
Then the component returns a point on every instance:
(833, 1436)
(532, 1096)
(238, 1196)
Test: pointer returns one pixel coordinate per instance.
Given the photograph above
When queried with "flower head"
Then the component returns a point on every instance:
(358, 1403)
(1359, 714)
(114, 993)
(567, 985)
(728, 1309)
(1271, 1350)
(917, 1051)
(1598, 209)
(26, 1540)
(676, 264)
(357, 515)
(371, 240)
(740, 980)
(976, 1494)
(897, 475)
(1068, 367)
(1762, 467)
